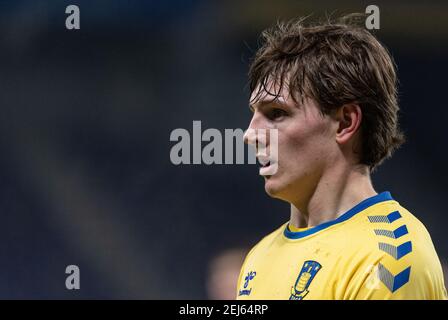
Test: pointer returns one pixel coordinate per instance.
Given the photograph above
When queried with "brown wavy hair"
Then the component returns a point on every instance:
(334, 63)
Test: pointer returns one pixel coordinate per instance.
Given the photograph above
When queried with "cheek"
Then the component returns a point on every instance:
(311, 141)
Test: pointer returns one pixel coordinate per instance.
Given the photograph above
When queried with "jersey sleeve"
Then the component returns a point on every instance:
(409, 283)
(396, 259)
(414, 276)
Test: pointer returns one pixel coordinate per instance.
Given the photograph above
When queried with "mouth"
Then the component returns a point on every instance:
(268, 167)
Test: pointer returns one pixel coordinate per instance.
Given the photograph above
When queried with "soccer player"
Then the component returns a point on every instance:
(330, 92)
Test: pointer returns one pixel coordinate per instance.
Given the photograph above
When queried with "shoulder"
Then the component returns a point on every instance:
(395, 231)
(260, 251)
(267, 242)
(399, 250)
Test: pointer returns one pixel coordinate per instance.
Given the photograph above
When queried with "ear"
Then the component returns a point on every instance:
(349, 117)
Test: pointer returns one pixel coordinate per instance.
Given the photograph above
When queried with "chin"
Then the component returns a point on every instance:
(273, 187)
(280, 188)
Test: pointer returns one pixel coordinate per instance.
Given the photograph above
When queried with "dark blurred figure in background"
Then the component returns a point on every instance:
(223, 272)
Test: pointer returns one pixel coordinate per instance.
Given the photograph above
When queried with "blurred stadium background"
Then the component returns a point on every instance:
(85, 173)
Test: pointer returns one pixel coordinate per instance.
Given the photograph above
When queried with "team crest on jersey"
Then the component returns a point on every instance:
(309, 270)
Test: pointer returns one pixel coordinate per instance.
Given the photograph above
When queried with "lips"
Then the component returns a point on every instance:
(268, 166)
(264, 160)
(269, 169)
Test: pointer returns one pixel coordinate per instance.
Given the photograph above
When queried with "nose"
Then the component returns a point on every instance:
(250, 135)
(257, 132)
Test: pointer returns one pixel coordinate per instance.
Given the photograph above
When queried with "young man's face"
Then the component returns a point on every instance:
(306, 143)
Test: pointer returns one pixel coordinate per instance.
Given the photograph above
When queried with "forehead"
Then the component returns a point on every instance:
(270, 93)
(262, 97)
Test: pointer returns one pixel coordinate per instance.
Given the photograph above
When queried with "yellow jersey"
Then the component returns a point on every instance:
(376, 250)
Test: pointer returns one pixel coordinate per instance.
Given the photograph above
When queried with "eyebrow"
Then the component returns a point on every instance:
(260, 104)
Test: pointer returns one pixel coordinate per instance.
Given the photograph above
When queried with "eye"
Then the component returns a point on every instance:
(276, 114)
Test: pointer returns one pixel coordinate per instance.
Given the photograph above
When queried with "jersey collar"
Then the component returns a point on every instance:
(383, 196)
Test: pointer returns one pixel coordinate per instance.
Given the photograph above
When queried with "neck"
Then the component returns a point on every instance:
(336, 192)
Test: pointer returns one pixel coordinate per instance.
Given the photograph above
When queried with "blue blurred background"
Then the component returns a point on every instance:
(85, 172)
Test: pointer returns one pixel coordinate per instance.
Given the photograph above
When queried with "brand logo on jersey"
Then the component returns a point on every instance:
(309, 270)
(245, 291)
